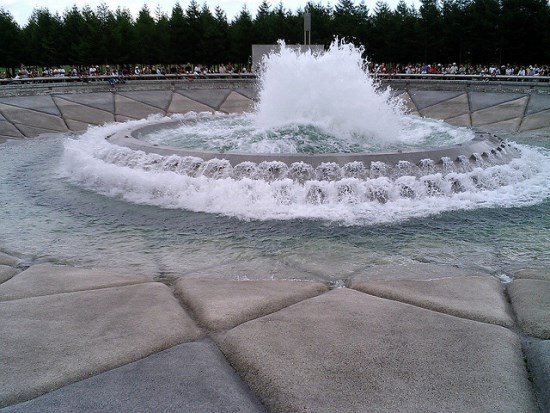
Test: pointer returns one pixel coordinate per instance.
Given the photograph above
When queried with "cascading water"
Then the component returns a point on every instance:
(306, 152)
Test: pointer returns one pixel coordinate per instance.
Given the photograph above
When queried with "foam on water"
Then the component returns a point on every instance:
(90, 162)
(239, 133)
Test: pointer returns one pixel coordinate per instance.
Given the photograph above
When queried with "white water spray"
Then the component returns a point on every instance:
(329, 91)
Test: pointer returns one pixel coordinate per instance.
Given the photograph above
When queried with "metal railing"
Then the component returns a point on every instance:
(118, 79)
(449, 77)
(191, 77)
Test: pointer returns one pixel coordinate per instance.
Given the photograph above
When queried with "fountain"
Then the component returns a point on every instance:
(322, 132)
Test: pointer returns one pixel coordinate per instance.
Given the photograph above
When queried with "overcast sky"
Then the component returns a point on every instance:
(21, 9)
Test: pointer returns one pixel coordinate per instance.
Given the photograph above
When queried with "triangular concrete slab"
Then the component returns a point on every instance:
(482, 100)
(346, 351)
(7, 272)
(425, 98)
(450, 108)
(182, 104)
(46, 279)
(476, 298)
(538, 120)
(85, 114)
(77, 126)
(6, 138)
(237, 103)
(7, 129)
(122, 118)
(498, 113)
(134, 109)
(54, 340)
(32, 132)
(538, 360)
(537, 103)
(103, 101)
(209, 97)
(409, 104)
(190, 377)
(43, 104)
(250, 93)
(32, 118)
(531, 302)
(222, 304)
(505, 125)
(159, 99)
(462, 120)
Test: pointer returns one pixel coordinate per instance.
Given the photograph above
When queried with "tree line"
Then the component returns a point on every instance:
(463, 31)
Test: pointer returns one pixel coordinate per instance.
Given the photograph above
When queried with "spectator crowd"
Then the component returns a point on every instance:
(197, 71)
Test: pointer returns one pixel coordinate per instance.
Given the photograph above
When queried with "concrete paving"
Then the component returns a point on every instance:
(190, 377)
(531, 302)
(220, 304)
(285, 346)
(347, 351)
(475, 298)
(538, 356)
(47, 279)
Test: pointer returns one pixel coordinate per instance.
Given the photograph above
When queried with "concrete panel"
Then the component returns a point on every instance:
(7, 129)
(182, 104)
(134, 109)
(426, 98)
(76, 126)
(191, 377)
(51, 341)
(85, 114)
(104, 101)
(236, 103)
(408, 103)
(505, 125)
(7, 272)
(462, 120)
(43, 104)
(476, 298)
(451, 108)
(250, 93)
(538, 360)
(122, 118)
(209, 97)
(221, 304)
(531, 302)
(34, 119)
(538, 120)
(346, 351)
(498, 113)
(159, 99)
(538, 103)
(33, 132)
(46, 279)
(483, 100)
(7, 259)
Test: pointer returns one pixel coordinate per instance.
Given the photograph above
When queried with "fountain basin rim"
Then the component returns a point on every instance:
(482, 144)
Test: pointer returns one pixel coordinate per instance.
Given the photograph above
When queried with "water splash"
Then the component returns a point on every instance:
(330, 91)
(93, 163)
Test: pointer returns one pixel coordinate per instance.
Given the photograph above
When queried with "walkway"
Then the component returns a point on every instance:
(418, 338)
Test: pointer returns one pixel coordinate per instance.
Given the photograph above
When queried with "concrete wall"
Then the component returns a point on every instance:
(33, 109)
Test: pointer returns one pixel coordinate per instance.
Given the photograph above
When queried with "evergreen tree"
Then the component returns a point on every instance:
(10, 35)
